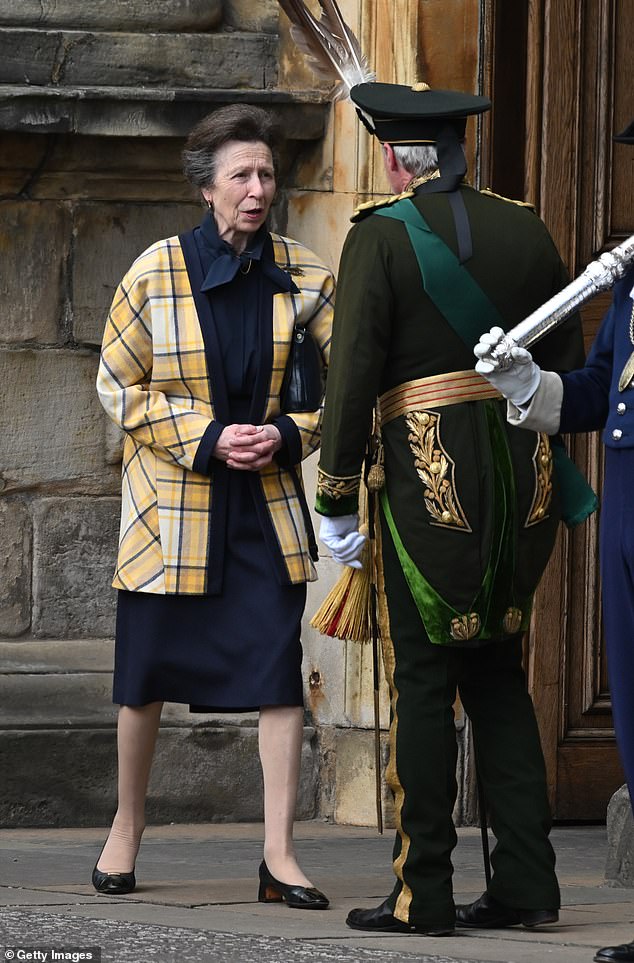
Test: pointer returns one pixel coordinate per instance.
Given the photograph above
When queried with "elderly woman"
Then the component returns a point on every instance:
(214, 553)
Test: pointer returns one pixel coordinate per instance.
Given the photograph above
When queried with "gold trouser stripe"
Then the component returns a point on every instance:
(404, 899)
(436, 391)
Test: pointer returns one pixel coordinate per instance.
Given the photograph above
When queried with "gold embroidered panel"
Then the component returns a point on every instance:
(436, 471)
(543, 466)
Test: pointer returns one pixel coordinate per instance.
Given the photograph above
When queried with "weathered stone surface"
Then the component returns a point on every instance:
(355, 794)
(72, 57)
(34, 242)
(185, 15)
(260, 17)
(67, 683)
(324, 666)
(322, 227)
(52, 433)
(114, 439)
(619, 868)
(225, 782)
(94, 168)
(347, 780)
(108, 238)
(31, 657)
(15, 566)
(75, 543)
(146, 111)
(56, 700)
(199, 775)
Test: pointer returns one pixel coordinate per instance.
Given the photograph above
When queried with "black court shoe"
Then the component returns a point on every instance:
(297, 897)
(113, 884)
(382, 920)
(487, 914)
(624, 953)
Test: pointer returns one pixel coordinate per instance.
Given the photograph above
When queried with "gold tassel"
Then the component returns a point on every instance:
(345, 612)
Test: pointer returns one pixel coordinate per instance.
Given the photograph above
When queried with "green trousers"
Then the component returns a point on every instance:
(422, 770)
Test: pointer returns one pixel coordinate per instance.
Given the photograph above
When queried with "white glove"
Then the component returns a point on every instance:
(517, 383)
(342, 536)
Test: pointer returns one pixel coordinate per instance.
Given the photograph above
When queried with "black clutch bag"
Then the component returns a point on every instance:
(304, 379)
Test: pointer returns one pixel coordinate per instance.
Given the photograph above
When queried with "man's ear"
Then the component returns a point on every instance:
(391, 162)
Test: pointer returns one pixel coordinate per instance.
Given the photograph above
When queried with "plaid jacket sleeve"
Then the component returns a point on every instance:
(135, 381)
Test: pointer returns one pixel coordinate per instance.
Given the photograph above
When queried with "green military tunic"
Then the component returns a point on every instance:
(469, 512)
(472, 504)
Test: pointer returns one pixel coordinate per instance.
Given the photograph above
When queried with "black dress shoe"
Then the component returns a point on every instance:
(487, 914)
(382, 920)
(113, 884)
(297, 897)
(616, 954)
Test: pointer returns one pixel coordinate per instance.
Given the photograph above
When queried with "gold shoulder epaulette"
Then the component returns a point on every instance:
(370, 206)
(490, 193)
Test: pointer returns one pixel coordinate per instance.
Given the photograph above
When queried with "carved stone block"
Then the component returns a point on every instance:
(15, 567)
(261, 17)
(76, 58)
(52, 434)
(190, 16)
(34, 241)
(108, 239)
(75, 543)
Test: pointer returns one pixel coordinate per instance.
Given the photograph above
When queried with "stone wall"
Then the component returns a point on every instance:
(94, 103)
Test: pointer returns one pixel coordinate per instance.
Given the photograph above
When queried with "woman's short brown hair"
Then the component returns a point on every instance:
(242, 122)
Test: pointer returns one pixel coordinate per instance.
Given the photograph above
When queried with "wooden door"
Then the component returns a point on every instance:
(570, 65)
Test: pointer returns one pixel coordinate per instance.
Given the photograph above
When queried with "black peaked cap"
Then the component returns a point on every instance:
(397, 114)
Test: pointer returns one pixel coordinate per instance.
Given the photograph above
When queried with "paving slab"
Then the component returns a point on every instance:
(197, 899)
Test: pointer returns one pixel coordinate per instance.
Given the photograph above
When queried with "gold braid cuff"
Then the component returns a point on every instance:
(337, 487)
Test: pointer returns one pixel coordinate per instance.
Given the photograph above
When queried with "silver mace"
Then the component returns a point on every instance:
(600, 275)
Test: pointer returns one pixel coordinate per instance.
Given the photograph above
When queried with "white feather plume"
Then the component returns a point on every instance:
(332, 50)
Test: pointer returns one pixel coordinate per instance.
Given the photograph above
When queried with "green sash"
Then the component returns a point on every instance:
(468, 310)
(466, 307)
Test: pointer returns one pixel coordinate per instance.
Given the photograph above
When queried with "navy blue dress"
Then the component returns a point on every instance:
(238, 649)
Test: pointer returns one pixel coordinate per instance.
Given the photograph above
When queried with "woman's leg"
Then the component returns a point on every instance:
(137, 728)
(280, 738)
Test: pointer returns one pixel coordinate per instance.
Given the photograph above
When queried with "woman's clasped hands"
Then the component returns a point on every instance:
(248, 447)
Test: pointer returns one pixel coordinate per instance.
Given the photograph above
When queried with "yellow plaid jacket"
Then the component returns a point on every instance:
(154, 382)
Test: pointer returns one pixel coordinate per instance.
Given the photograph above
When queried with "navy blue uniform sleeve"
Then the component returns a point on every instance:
(586, 391)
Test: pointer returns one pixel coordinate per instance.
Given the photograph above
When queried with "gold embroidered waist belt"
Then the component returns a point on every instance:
(436, 391)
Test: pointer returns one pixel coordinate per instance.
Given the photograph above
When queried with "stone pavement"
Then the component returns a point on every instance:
(197, 900)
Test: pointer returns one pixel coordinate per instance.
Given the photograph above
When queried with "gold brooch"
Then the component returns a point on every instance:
(512, 621)
(465, 627)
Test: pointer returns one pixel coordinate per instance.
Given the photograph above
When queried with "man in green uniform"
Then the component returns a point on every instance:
(469, 508)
